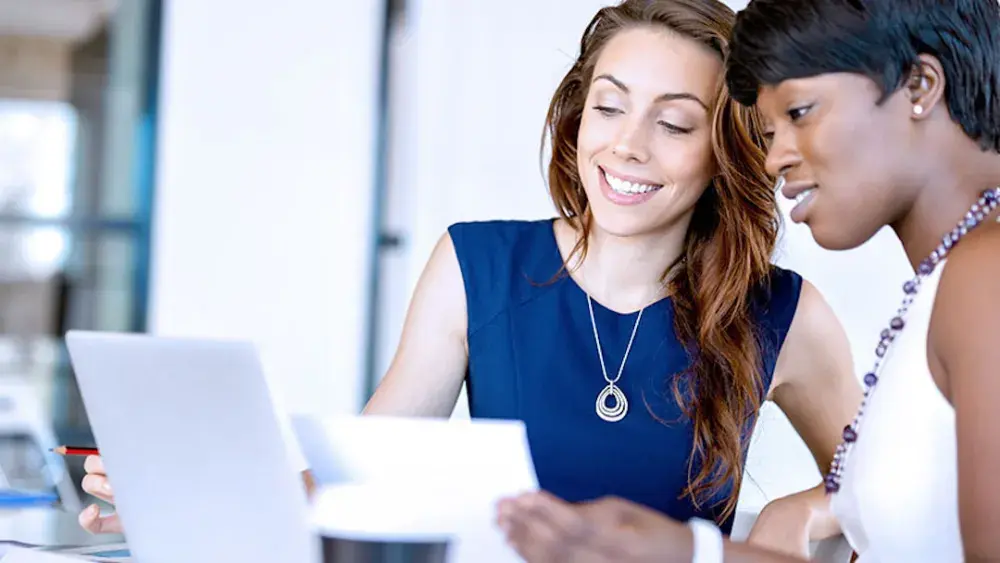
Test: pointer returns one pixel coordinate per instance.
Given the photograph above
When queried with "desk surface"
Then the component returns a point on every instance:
(55, 527)
(48, 526)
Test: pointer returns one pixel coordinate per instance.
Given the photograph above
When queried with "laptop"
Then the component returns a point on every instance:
(193, 446)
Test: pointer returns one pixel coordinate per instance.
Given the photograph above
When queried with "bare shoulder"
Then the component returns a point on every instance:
(816, 340)
(812, 314)
(977, 254)
(427, 371)
(969, 283)
(438, 303)
(442, 282)
(814, 382)
(966, 312)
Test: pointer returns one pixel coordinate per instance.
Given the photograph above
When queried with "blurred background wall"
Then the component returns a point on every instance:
(280, 172)
(78, 86)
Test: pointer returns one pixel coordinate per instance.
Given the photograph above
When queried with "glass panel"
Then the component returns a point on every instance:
(128, 81)
(101, 272)
(33, 252)
(31, 260)
(53, 279)
(110, 82)
(36, 147)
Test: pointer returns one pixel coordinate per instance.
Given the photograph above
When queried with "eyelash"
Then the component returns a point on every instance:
(794, 115)
(798, 113)
(671, 128)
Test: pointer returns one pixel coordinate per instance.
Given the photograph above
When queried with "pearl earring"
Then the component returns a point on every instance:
(918, 110)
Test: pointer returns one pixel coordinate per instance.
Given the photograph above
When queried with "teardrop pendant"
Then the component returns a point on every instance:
(618, 410)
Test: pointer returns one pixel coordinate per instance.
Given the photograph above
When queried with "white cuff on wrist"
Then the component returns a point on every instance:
(708, 545)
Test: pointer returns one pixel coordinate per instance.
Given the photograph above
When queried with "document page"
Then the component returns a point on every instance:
(417, 479)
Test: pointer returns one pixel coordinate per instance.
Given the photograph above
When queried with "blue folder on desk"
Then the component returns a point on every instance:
(11, 498)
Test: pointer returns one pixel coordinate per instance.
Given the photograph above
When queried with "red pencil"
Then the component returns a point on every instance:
(75, 450)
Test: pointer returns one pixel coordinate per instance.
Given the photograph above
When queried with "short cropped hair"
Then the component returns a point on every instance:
(776, 40)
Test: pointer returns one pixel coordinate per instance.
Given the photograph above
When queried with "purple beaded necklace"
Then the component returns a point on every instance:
(980, 210)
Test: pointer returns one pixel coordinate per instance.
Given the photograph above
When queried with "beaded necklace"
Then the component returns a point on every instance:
(979, 211)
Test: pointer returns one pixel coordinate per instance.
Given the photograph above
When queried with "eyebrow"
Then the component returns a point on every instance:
(669, 96)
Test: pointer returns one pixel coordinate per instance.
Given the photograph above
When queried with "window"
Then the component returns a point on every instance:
(78, 92)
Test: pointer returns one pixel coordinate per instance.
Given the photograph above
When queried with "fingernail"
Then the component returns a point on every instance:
(106, 487)
(94, 510)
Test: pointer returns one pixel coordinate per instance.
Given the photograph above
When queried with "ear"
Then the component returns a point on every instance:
(925, 86)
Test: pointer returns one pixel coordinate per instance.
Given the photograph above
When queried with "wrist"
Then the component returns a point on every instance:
(707, 544)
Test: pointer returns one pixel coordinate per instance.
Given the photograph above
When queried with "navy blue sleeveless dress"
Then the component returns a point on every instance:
(532, 357)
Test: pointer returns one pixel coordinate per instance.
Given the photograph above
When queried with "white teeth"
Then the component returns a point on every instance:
(628, 188)
(802, 196)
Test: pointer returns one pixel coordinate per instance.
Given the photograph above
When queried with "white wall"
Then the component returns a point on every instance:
(484, 75)
(486, 71)
(263, 188)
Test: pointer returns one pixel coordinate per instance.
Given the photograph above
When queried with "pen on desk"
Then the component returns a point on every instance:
(75, 450)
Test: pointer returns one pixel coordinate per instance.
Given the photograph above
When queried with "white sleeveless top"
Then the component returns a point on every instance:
(898, 500)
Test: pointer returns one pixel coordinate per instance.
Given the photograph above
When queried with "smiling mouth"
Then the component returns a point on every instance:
(803, 195)
(799, 190)
(628, 186)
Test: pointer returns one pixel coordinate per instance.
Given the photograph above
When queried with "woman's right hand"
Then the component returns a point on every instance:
(96, 483)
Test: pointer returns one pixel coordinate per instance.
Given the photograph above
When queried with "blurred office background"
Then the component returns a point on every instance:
(77, 112)
(280, 172)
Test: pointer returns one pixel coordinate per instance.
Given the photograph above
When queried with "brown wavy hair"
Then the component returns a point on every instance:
(727, 251)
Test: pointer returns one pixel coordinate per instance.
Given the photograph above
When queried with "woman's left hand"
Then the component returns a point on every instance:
(544, 529)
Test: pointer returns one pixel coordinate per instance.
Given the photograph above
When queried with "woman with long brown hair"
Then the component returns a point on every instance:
(638, 333)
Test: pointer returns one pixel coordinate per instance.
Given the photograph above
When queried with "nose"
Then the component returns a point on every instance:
(782, 154)
(632, 143)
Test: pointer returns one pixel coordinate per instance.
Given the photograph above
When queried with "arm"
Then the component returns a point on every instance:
(814, 385)
(964, 358)
(427, 372)
(543, 528)
(736, 552)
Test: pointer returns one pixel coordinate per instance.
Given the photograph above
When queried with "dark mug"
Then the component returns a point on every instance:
(350, 550)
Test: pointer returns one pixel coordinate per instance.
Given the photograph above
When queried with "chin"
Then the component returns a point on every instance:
(621, 223)
(619, 226)
(839, 235)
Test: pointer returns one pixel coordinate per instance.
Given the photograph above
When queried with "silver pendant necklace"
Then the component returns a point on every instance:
(619, 408)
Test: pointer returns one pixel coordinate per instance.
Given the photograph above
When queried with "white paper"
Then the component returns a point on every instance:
(399, 478)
